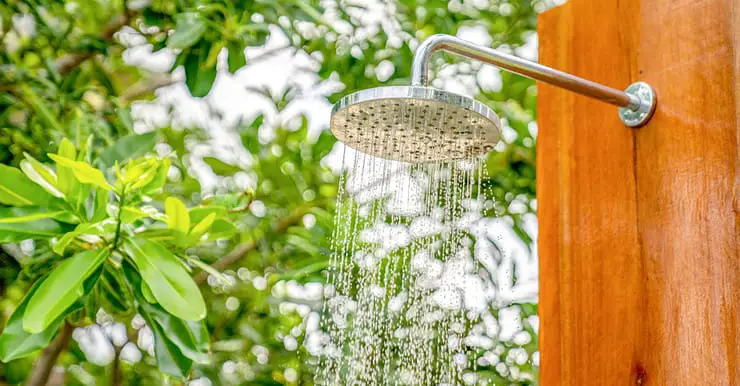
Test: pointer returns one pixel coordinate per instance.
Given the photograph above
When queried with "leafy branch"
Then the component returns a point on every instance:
(69, 203)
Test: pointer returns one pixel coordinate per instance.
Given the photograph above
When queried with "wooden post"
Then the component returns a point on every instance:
(639, 264)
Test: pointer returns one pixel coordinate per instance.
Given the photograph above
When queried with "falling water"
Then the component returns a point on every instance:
(406, 297)
(395, 310)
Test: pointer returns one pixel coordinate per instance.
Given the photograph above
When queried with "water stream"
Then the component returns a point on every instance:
(400, 301)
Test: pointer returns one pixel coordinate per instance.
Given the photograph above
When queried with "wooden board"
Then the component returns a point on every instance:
(639, 265)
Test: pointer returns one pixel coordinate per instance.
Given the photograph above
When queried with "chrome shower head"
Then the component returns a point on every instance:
(422, 124)
(415, 124)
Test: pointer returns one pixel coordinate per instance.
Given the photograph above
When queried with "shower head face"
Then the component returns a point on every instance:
(415, 124)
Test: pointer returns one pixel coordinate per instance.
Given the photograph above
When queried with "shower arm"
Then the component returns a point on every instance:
(637, 103)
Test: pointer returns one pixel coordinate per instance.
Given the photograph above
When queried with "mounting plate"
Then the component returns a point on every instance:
(648, 101)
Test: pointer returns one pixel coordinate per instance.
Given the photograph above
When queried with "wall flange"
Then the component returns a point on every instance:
(648, 100)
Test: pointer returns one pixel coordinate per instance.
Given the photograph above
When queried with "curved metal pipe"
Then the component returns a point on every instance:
(420, 71)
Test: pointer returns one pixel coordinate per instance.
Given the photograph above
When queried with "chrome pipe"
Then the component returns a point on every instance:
(420, 72)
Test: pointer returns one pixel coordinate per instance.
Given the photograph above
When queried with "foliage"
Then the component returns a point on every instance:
(115, 252)
(64, 78)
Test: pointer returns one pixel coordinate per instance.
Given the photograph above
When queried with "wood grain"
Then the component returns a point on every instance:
(639, 265)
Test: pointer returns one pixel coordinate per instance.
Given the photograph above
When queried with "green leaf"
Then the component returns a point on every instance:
(139, 172)
(131, 214)
(221, 168)
(306, 270)
(83, 229)
(165, 235)
(18, 190)
(61, 245)
(232, 202)
(198, 77)
(125, 118)
(221, 229)
(210, 270)
(41, 108)
(154, 18)
(236, 58)
(66, 181)
(17, 343)
(170, 360)
(186, 335)
(18, 224)
(126, 148)
(41, 174)
(100, 211)
(177, 215)
(61, 289)
(176, 139)
(200, 335)
(147, 177)
(214, 51)
(203, 226)
(248, 134)
(110, 289)
(302, 244)
(189, 28)
(27, 214)
(170, 283)
(84, 173)
(323, 145)
(43, 170)
(147, 293)
(197, 214)
(158, 179)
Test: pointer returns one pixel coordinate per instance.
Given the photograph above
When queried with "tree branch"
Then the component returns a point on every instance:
(115, 378)
(43, 366)
(267, 54)
(68, 62)
(242, 250)
(145, 87)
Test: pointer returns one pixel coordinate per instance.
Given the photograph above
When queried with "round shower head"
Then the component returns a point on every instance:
(415, 124)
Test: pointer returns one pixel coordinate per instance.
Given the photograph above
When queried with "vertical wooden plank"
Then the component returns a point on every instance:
(686, 162)
(590, 287)
(557, 117)
(736, 191)
(639, 265)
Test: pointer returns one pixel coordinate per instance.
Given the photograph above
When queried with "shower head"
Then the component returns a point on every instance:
(422, 124)
(415, 124)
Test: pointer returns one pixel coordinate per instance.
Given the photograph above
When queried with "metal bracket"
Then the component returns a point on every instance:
(648, 100)
(636, 104)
